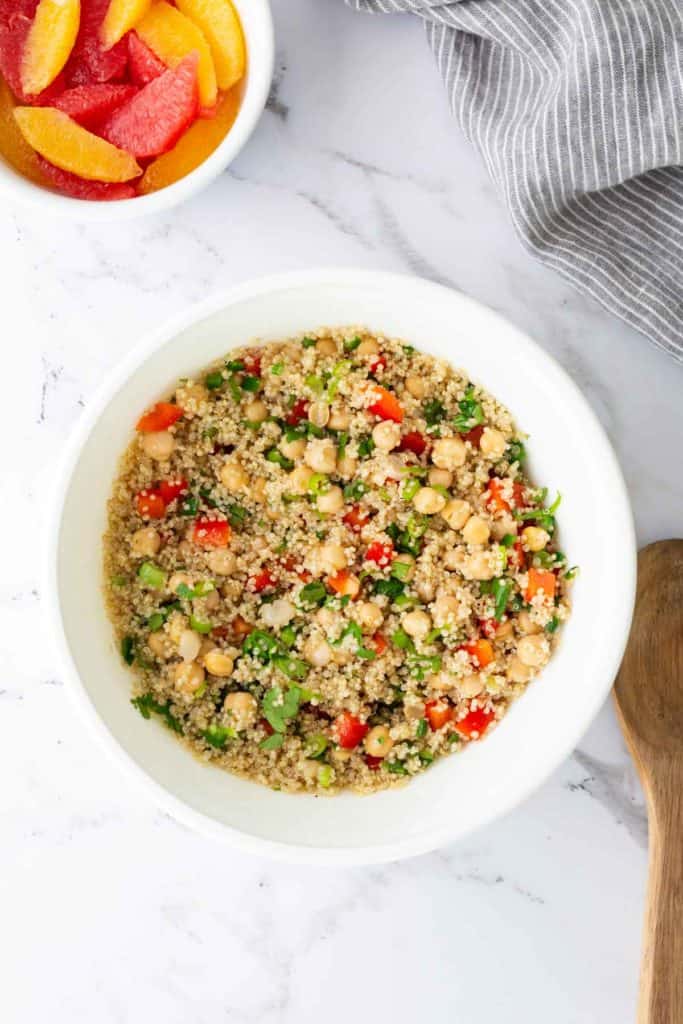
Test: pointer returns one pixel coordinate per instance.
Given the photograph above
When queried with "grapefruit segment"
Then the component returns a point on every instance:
(68, 146)
(121, 16)
(172, 36)
(91, 105)
(16, 19)
(219, 22)
(198, 142)
(79, 188)
(155, 118)
(13, 146)
(143, 65)
(49, 43)
(90, 62)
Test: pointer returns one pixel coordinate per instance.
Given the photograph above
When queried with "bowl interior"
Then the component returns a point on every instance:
(258, 31)
(568, 452)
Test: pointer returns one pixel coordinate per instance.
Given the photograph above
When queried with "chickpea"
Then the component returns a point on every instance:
(256, 411)
(221, 561)
(480, 566)
(416, 624)
(176, 579)
(159, 445)
(188, 676)
(526, 625)
(368, 347)
(517, 671)
(319, 413)
(425, 589)
(157, 644)
(503, 525)
(369, 616)
(278, 613)
(340, 656)
(326, 619)
(321, 455)
(145, 541)
(441, 682)
(218, 663)
(292, 449)
(176, 622)
(428, 501)
(297, 480)
(186, 549)
(233, 477)
(409, 562)
(317, 651)
(190, 397)
(340, 419)
(533, 650)
(492, 443)
(347, 466)
(452, 558)
(331, 501)
(241, 709)
(207, 645)
(440, 477)
(505, 630)
(446, 611)
(386, 435)
(534, 538)
(378, 742)
(449, 453)
(189, 644)
(470, 686)
(416, 387)
(476, 531)
(456, 513)
(210, 602)
(257, 490)
(326, 347)
(309, 770)
(331, 558)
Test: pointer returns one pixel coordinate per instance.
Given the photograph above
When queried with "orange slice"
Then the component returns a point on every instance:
(65, 144)
(13, 146)
(121, 16)
(194, 146)
(49, 43)
(172, 36)
(220, 24)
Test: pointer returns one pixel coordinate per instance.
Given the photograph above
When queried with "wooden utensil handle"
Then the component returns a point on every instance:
(661, 987)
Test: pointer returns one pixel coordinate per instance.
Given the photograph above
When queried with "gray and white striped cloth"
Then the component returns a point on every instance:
(577, 109)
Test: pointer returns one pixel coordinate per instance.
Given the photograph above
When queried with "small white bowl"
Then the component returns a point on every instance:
(568, 452)
(257, 24)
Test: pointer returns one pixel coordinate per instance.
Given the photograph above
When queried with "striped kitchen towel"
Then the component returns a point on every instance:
(577, 109)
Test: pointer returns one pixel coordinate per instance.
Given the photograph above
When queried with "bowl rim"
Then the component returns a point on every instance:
(16, 188)
(200, 822)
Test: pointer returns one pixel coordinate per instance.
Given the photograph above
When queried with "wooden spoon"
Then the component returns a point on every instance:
(649, 699)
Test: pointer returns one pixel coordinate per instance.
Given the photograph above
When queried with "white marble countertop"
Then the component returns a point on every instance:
(112, 912)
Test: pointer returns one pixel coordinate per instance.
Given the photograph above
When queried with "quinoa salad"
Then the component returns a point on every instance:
(325, 565)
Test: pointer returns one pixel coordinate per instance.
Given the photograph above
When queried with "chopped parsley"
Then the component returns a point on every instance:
(218, 735)
(366, 446)
(470, 413)
(434, 411)
(312, 594)
(147, 703)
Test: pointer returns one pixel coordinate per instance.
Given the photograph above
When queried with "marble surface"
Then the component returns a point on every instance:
(112, 913)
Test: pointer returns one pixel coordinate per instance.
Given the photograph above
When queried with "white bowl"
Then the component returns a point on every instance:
(568, 452)
(257, 24)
